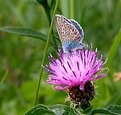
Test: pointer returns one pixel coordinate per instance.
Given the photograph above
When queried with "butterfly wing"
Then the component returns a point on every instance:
(69, 31)
(77, 44)
(78, 27)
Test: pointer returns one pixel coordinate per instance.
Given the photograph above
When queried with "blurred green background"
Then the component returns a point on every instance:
(21, 56)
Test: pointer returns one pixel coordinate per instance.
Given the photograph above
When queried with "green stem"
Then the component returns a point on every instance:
(72, 4)
(45, 52)
(47, 11)
(5, 75)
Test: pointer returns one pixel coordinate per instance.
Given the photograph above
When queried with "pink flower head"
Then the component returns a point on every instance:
(75, 69)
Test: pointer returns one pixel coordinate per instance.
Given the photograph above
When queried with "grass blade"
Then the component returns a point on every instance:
(113, 49)
(5, 75)
(112, 53)
(25, 32)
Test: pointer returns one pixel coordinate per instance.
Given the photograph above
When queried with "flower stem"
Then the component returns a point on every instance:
(45, 52)
(47, 11)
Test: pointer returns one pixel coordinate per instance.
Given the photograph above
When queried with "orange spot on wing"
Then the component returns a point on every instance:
(75, 32)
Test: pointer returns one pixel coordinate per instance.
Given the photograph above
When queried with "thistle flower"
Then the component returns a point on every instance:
(74, 71)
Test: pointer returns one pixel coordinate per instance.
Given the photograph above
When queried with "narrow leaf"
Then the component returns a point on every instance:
(113, 49)
(25, 32)
(3, 78)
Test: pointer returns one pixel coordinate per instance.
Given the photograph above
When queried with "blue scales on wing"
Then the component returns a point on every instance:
(70, 33)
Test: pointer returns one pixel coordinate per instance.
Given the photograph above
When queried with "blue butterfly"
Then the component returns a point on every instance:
(70, 32)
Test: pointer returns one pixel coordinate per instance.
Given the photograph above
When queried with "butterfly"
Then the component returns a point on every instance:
(70, 32)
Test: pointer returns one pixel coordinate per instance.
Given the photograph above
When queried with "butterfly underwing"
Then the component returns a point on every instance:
(70, 32)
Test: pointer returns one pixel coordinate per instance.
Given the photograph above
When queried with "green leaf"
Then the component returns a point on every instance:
(40, 110)
(113, 49)
(52, 110)
(60, 109)
(25, 32)
(112, 110)
(5, 75)
(111, 56)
